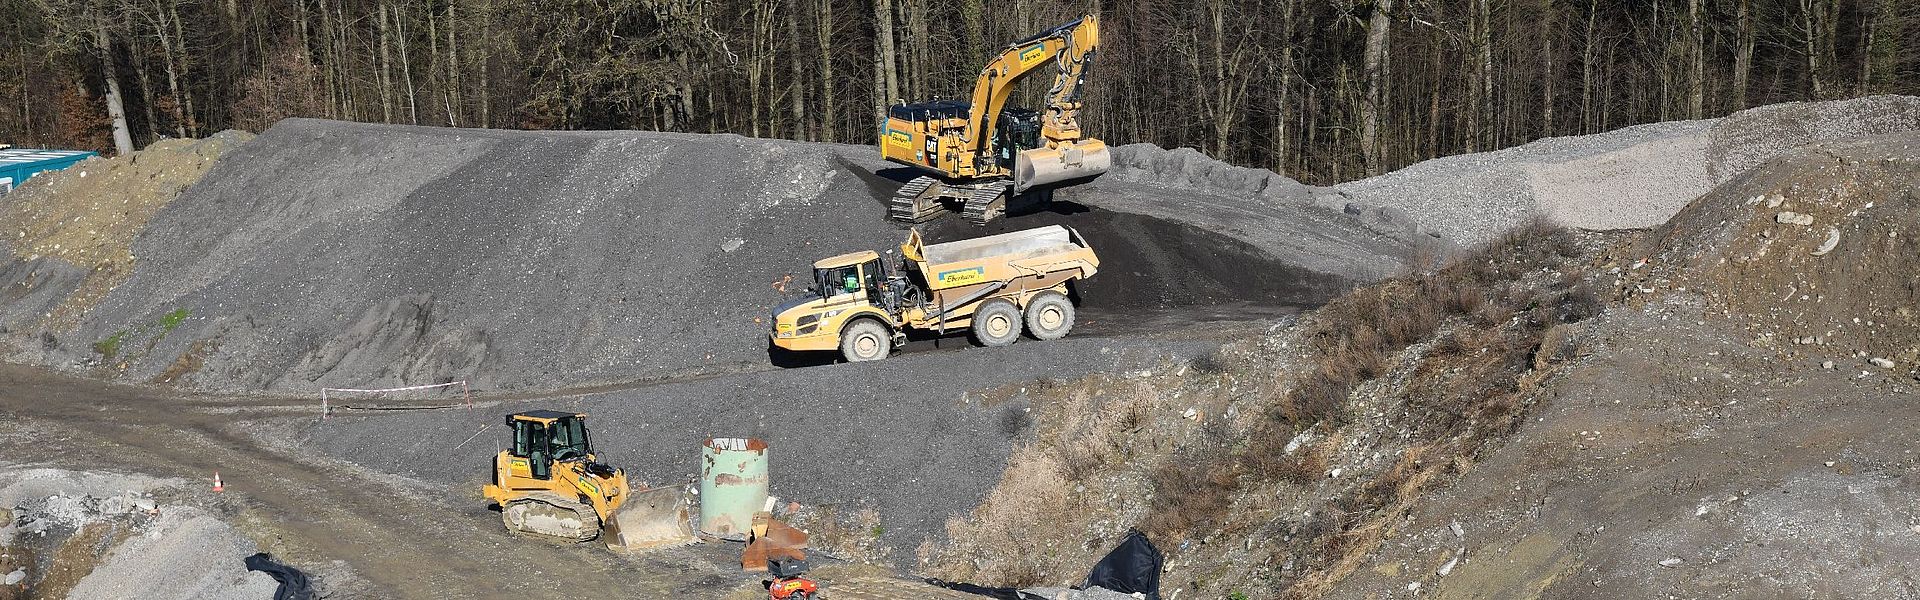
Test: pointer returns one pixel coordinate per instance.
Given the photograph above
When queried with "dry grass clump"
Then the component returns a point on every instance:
(1500, 301)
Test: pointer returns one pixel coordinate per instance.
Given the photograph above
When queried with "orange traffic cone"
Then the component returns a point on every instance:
(216, 483)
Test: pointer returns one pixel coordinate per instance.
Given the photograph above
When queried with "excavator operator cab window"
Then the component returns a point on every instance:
(1017, 130)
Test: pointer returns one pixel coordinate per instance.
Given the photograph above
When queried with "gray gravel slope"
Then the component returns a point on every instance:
(329, 254)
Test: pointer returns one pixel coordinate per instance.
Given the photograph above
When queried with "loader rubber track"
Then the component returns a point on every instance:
(548, 516)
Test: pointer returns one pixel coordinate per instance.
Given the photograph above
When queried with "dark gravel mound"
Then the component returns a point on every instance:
(351, 255)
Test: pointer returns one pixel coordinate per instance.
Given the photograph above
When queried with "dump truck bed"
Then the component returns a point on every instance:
(1052, 252)
(1030, 242)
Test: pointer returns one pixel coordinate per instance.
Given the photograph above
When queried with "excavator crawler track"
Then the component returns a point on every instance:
(917, 202)
(548, 516)
(987, 202)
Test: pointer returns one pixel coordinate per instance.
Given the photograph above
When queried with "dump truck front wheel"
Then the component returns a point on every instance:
(1049, 316)
(996, 324)
(865, 340)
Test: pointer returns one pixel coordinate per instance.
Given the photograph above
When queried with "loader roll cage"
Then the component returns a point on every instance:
(544, 437)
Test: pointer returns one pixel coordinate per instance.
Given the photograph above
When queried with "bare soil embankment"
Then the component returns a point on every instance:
(1705, 434)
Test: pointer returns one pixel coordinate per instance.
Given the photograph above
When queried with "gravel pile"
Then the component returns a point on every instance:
(1630, 178)
(328, 254)
(151, 550)
(1311, 228)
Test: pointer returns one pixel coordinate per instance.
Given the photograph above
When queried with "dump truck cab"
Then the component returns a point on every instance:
(846, 288)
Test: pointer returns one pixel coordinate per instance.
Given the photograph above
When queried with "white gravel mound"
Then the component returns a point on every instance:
(185, 555)
(1629, 178)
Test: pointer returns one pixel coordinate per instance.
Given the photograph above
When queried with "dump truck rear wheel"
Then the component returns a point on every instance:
(996, 324)
(865, 340)
(1049, 316)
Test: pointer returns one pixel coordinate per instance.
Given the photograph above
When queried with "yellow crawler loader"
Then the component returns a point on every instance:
(549, 484)
(991, 286)
(978, 154)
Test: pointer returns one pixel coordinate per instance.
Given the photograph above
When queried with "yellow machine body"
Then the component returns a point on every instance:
(979, 152)
(549, 483)
(936, 288)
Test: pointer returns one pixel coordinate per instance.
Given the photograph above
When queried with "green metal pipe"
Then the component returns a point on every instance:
(733, 485)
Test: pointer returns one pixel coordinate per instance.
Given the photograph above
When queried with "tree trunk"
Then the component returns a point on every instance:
(823, 34)
(1282, 133)
(116, 110)
(1587, 57)
(1697, 62)
(455, 101)
(1550, 64)
(1379, 32)
(386, 68)
(796, 86)
(973, 30)
(406, 66)
(1480, 114)
(1742, 54)
(886, 79)
(1810, 46)
(146, 96)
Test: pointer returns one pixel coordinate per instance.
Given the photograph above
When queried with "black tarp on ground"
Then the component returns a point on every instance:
(1132, 566)
(293, 583)
(990, 592)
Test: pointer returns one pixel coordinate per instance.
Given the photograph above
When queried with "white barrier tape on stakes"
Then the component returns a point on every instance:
(327, 413)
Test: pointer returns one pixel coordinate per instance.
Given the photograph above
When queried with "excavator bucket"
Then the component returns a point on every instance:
(654, 518)
(1078, 160)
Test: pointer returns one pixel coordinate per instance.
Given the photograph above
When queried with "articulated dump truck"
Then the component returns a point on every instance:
(993, 286)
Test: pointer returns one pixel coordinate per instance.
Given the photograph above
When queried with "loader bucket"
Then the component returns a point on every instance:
(1042, 166)
(654, 518)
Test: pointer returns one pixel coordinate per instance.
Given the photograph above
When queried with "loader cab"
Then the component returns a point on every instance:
(544, 437)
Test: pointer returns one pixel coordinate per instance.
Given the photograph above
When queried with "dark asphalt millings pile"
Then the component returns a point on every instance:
(338, 254)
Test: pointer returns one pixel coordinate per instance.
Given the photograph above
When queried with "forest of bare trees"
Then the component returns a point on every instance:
(1323, 90)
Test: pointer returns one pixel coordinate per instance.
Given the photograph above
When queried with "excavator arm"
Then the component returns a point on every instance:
(1069, 48)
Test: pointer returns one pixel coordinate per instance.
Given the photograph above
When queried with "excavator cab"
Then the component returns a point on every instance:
(550, 484)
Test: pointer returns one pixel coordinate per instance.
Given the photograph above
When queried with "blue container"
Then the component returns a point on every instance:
(18, 164)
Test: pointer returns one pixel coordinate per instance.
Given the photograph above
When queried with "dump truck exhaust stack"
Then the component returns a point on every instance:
(1043, 166)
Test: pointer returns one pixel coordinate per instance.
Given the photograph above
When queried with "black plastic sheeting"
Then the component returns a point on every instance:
(1133, 566)
(293, 583)
(990, 592)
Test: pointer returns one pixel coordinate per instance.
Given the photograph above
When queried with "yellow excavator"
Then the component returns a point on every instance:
(979, 154)
(549, 484)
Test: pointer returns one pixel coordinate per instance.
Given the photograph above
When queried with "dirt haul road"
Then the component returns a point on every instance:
(401, 540)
